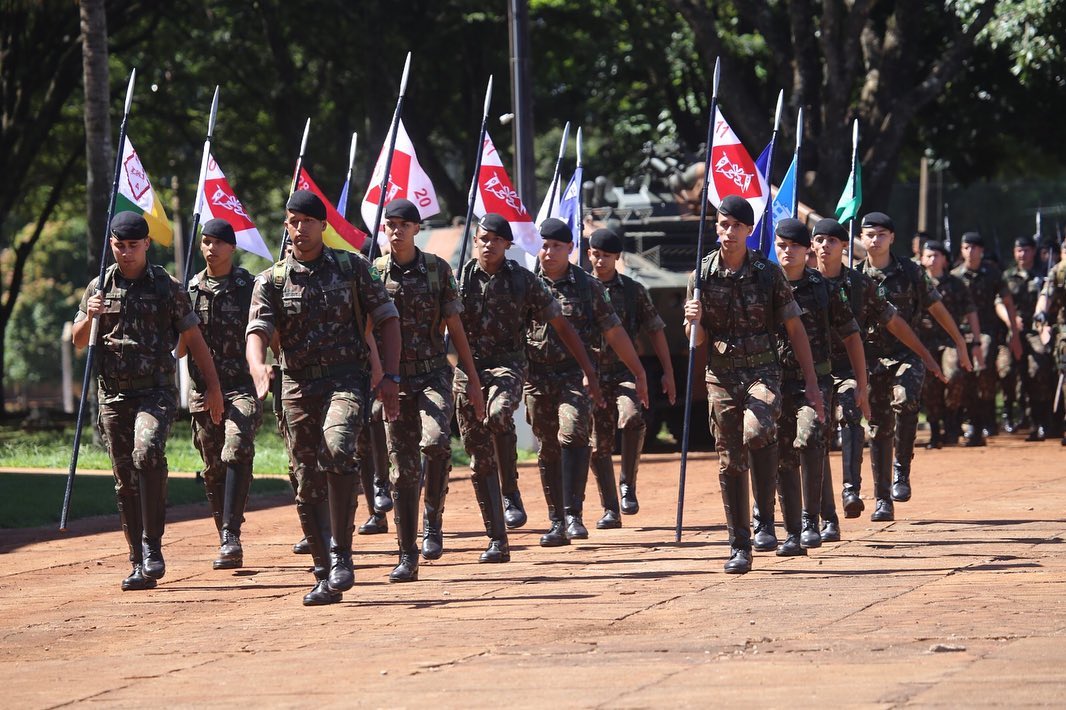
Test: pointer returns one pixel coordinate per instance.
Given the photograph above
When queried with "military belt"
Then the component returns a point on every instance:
(821, 369)
(132, 384)
(317, 372)
(422, 367)
(565, 367)
(516, 359)
(722, 362)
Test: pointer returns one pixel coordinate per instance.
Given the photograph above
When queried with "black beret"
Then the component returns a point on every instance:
(496, 224)
(1025, 241)
(220, 229)
(306, 202)
(738, 208)
(606, 240)
(830, 227)
(556, 230)
(793, 230)
(879, 219)
(129, 225)
(973, 238)
(936, 245)
(403, 209)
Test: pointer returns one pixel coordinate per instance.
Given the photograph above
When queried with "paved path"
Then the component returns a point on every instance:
(960, 602)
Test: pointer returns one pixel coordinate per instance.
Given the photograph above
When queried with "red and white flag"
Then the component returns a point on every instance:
(406, 179)
(218, 201)
(496, 194)
(733, 172)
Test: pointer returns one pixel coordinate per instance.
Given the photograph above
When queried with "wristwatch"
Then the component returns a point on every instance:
(390, 376)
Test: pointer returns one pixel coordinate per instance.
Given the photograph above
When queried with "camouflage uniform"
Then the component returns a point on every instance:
(896, 376)
(618, 387)
(324, 369)
(227, 448)
(139, 327)
(425, 294)
(558, 407)
(1055, 295)
(941, 401)
(977, 389)
(1032, 378)
(741, 314)
(497, 309)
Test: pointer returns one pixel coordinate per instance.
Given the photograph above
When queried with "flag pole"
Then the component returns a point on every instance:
(854, 187)
(474, 180)
(558, 164)
(94, 330)
(582, 255)
(295, 182)
(342, 203)
(198, 200)
(388, 159)
(698, 284)
(767, 219)
(796, 161)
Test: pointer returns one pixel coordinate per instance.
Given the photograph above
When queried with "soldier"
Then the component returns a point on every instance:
(427, 298)
(896, 374)
(221, 295)
(141, 311)
(1030, 380)
(557, 405)
(743, 300)
(985, 282)
(942, 400)
(501, 300)
(1051, 319)
(633, 306)
(317, 299)
(802, 437)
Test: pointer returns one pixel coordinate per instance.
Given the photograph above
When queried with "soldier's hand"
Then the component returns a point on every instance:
(977, 354)
(964, 361)
(389, 394)
(862, 401)
(376, 373)
(642, 390)
(477, 399)
(669, 388)
(215, 405)
(593, 386)
(262, 375)
(933, 367)
(693, 311)
(814, 398)
(94, 305)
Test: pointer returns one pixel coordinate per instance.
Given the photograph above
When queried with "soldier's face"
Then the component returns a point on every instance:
(305, 232)
(790, 253)
(554, 256)
(971, 254)
(216, 252)
(877, 240)
(933, 261)
(1024, 256)
(491, 248)
(828, 249)
(401, 233)
(603, 262)
(131, 255)
(732, 233)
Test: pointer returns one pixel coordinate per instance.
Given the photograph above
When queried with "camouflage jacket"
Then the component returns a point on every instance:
(957, 299)
(1024, 287)
(586, 306)
(826, 317)
(868, 306)
(312, 311)
(222, 307)
(634, 309)
(907, 287)
(424, 296)
(741, 313)
(1055, 293)
(139, 328)
(986, 283)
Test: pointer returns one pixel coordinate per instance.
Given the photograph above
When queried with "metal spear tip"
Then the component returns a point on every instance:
(855, 133)
(129, 91)
(780, 106)
(351, 151)
(488, 97)
(406, 71)
(214, 114)
(799, 128)
(579, 146)
(307, 131)
(717, 76)
(566, 137)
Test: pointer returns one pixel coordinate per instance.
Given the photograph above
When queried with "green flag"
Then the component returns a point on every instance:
(851, 198)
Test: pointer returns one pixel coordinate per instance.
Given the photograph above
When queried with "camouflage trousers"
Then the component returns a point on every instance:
(968, 388)
(135, 430)
(743, 406)
(939, 398)
(1033, 376)
(231, 441)
(798, 427)
(423, 427)
(842, 388)
(321, 430)
(895, 390)
(559, 411)
(502, 389)
(622, 410)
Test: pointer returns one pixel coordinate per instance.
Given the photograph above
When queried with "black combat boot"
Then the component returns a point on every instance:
(790, 495)
(216, 499)
(551, 481)
(1038, 432)
(437, 471)
(343, 500)
(490, 501)
(735, 502)
(976, 436)
(379, 450)
(322, 594)
(314, 520)
(852, 439)
(302, 547)
(374, 525)
(988, 413)
(405, 515)
(603, 469)
(881, 463)
(1009, 425)
(575, 463)
(952, 431)
(505, 447)
(377, 523)
(763, 463)
(632, 445)
(238, 485)
(906, 430)
(935, 441)
(153, 485)
(812, 470)
(129, 514)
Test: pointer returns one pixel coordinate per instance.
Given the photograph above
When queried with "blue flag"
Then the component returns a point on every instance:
(755, 240)
(569, 206)
(342, 201)
(780, 208)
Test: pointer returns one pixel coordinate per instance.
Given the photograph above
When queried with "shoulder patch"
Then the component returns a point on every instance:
(759, 265)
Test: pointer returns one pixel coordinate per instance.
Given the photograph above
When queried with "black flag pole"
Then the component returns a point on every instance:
(388, 159)
(854, 191)
(342, 205)
(472, 197)
(198, 200)
(767, 218)
(796, 161)
(583, 253)
(295, 182)
(554, 187)
(698, 276)
(95, 328)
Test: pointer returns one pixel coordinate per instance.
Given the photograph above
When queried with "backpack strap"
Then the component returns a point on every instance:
(344, 263)
(629, 301)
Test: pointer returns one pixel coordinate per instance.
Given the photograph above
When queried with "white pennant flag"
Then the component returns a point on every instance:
(495, 193)
(406, 179)
(733, 172)
(218, 201)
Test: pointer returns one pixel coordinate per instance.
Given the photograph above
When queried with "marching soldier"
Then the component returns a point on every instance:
(633, 306)
(501, 300)
(317, 300)
(427, 298)
(142, 311)
(1051, 317)
(556, 401)
(896, 373)
(986, 283)
(221, 295)
(743, 300)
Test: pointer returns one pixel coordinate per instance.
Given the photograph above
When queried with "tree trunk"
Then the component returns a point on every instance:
(99, 157)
